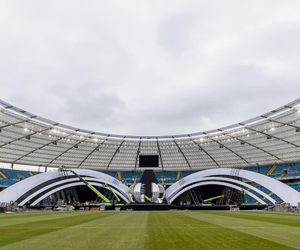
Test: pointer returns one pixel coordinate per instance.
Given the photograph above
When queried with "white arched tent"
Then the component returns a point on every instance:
(283, 191)
(40, 186)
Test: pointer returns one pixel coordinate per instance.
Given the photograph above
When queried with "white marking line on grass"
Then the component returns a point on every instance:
(128, 227)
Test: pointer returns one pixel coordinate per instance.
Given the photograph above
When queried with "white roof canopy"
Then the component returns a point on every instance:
(32, 140)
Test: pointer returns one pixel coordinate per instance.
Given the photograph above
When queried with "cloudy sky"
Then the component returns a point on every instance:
(149, 67)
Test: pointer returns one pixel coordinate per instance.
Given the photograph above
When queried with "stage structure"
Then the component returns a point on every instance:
(34, 189)
(239, 179)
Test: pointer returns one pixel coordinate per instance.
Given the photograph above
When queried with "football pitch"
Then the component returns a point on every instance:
(150, 230)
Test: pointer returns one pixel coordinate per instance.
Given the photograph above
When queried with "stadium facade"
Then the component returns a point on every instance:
(255, 161)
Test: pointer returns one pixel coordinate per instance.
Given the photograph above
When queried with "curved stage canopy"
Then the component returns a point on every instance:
(218, 183)
(232, 176)
(31, 140)
(35, 188)
(38, 187)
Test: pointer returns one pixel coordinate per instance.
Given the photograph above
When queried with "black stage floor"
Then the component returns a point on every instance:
(160, 207)
(147, 207)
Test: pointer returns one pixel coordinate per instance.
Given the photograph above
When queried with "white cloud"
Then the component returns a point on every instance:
(149, 67)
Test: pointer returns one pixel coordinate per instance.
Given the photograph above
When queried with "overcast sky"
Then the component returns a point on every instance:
(149, 67)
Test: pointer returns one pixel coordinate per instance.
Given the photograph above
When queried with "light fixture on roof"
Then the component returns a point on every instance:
(272, 129)
(26, 130)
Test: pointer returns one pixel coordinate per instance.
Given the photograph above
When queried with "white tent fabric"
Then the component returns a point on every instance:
(32, 140)
(283, 191)
(53, 181)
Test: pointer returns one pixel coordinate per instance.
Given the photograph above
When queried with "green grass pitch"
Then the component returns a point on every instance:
(150, 230)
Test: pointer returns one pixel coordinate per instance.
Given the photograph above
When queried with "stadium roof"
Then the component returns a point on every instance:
(28, 139)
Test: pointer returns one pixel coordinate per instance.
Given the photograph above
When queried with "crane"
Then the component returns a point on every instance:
(90, 186)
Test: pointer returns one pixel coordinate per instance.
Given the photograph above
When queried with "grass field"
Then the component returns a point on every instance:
(150, 230)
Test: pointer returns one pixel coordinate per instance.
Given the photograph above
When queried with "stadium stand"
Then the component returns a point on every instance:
(11, 176)
(268, 144)
(288, 173)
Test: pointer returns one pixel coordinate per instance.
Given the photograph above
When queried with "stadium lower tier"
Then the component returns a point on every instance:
(214, 187)
(288, 173)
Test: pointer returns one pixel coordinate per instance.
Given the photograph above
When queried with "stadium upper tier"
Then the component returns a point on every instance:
(32, 140)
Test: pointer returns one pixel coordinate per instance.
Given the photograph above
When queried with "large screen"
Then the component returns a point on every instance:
(148, 161)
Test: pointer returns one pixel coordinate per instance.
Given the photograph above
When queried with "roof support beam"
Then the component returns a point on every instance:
(180, 150)
(43, 146)
(16, 123)
(282, 123)
(269, 135)
(250, 144)
(23, 137)
(65, 151)
(137, 154)
(202, 149)
(159, 152)
(117, 150)
(90, 153)
(229, 149)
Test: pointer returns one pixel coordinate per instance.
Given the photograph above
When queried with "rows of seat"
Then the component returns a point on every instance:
(280, 170)
(168, 177)
(11, 176)
(295, 186)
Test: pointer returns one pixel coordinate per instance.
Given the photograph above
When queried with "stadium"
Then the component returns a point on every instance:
(149, 125)
(252, 165)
